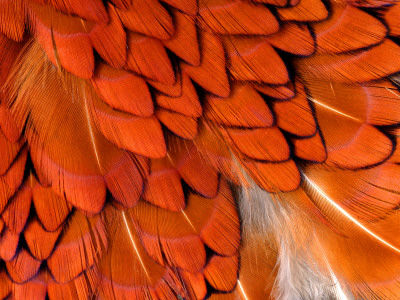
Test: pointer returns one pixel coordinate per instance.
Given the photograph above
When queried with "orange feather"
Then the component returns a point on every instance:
(210, 149)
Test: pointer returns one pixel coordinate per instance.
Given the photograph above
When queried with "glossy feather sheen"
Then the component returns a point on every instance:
(182, 149)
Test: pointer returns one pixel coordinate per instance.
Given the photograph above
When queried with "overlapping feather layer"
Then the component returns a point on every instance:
(132, 132)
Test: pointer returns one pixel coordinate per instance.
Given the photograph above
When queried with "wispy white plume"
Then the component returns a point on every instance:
(298, 277)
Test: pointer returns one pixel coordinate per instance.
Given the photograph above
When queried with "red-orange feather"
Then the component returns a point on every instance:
(183, 149)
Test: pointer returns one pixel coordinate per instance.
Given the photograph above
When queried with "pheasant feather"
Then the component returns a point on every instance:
(199, 149)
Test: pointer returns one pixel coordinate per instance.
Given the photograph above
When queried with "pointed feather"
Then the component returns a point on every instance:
(254, 59)
(52, 210)
(124, 180)
(149, 18)
(163, 187)
(16, 212)
(14, 175)
(187, 103)
(8, 245)
(30, 290)
(147, 57)
(83, 191)
(109, 40)
(186, 6)
(23, 267)
(67, 150)
(82, 287)
(352, 253)
(195, 284)
(368, 194)
(172, 90)
(376, 103)
(184, 41)
(221, 233)
(9, 127)
(192, 168)
(348, 28)
(293, 38)
(275, 177)
(279, 92)
(12, 19)
(174, 237)
(244, 108)
(211, 73)
(92, 9)
(392, 18)
(10, 150)
(64, 38)
(221, 272)
(306, 10)
(351, 142)
(181, 125)
(237, 17)
(295, 116)
(12, 179)
(312, 148)
(40, 241)
(79, 248)
(373, 64)
(123, 90)
(267, 144)
(127, 270)
(139, 135)
(169, 238)
(217, 152)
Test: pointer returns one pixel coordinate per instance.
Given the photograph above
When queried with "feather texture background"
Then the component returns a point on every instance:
(193, 149)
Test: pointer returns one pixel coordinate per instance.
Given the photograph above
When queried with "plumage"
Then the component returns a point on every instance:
(40, 242)
(293, 38)
(17, 210)
(237, 17)
(149, 18)
(210, 149)
(243, 101)
(213, 63)
(348, 28)
(109, 40)
(304, 10)
(295, 116)
(147, 57)
(254, 59)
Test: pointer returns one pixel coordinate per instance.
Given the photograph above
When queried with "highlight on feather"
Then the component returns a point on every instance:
(319, 191)
(298, 275)
(71, 152)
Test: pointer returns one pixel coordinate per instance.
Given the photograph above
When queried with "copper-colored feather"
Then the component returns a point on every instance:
(183, 149)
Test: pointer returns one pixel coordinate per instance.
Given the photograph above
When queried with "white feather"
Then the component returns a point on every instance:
(298, 277)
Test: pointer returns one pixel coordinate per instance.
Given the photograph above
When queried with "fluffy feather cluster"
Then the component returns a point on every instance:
(184, 149)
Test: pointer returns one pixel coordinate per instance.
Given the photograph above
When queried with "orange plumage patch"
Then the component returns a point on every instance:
(306, 10)
(247, 61)
(243, 101)
(135, 133)
(212, 62)
(295, 116)
(348, 28)
(237, 17)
